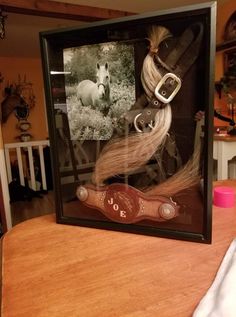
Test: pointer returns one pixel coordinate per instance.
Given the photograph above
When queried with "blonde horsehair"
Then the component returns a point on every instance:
(186, 177)
(124, 155)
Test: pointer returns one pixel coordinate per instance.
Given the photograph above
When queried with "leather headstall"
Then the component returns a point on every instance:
(173, 69)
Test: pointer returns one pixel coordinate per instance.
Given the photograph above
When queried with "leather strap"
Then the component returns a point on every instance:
(143, 120)
(125, 204)
(185, 53)
(175, 66)
(143, 112)
(178, 62)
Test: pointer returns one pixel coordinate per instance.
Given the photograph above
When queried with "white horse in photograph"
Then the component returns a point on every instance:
(97, 95)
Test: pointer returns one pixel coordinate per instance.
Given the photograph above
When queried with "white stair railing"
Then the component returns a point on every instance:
(21, 149)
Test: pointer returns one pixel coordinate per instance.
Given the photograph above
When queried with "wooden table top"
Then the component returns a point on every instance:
(53, 270)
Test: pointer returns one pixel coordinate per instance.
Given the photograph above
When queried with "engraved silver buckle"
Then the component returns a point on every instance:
(162, 82)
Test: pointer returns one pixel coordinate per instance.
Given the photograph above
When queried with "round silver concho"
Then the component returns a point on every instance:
(82, 193)
(167, 211)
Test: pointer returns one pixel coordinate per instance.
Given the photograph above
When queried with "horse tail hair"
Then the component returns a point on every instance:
(186, 177)
(150, 75)
(123, 155)
(127, 154)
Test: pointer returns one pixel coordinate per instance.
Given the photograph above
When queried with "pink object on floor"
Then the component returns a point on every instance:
(223, 196)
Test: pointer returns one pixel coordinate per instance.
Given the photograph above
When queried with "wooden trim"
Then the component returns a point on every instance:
(60, 10)
(2, 212)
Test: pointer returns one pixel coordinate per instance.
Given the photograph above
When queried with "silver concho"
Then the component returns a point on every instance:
(82, 193)
(167, 211)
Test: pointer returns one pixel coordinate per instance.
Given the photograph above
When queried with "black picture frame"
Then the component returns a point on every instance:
(68, 174)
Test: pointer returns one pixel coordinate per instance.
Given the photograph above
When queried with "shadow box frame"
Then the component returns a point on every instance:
(55, 43)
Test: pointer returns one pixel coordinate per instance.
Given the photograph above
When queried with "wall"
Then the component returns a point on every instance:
(31, 68)
(10, 68)
(223, 14)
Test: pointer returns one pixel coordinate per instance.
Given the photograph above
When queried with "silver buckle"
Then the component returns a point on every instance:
(160, 94)
(151, 125)
(135, 123)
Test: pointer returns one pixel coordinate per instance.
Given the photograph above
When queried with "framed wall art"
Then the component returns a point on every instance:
(230, 63)
(230, 28)
(121, 98)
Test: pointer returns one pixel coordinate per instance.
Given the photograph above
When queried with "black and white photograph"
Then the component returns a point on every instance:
(100, 88)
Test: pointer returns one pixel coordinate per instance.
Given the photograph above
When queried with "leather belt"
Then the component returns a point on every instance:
(125, 204)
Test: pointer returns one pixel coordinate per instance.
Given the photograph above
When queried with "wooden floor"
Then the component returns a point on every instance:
(23, 210)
